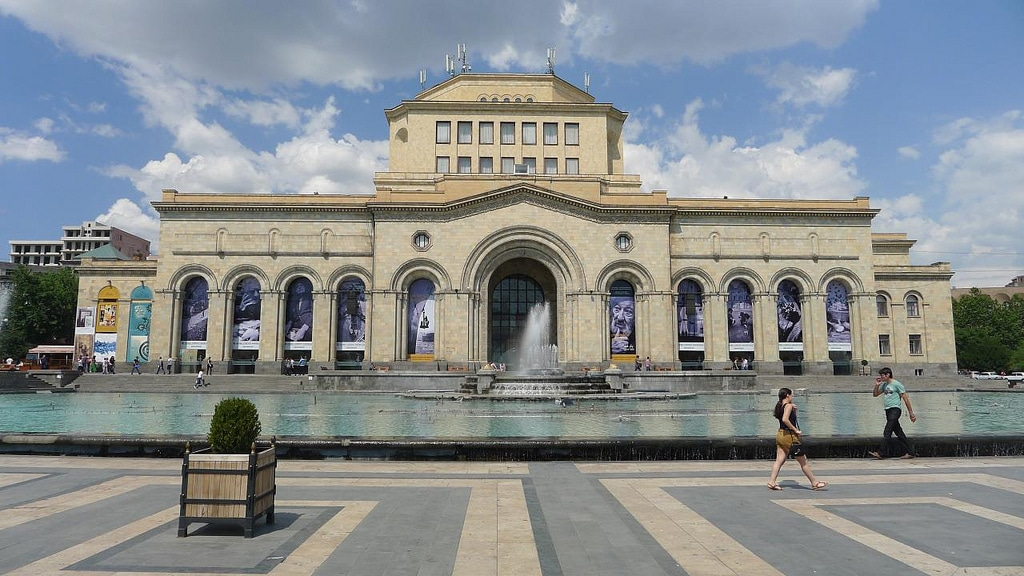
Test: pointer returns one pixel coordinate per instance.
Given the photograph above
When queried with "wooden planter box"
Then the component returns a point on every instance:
(227, 488)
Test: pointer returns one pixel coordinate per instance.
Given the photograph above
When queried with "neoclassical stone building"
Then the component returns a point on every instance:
(505, 191)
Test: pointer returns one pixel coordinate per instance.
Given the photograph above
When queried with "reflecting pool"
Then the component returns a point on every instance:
(387, 415)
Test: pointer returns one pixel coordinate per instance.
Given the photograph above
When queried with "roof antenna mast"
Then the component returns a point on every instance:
(463, 58)
(551, 60)
(586, 82)
(423, 79)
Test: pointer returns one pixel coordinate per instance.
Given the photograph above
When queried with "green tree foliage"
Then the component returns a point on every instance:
(41, 310)
(235, 426)
(989, 335)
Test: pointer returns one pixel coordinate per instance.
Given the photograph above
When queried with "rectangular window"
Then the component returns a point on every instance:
(486, 165)
(443, 164)
(551, 165)
(444, 132)
(465, 132)
(508, 133)
(508, 165)
(572, 165)
(465, 165)
(883, 306)
(915, 345)
(550, 134)
(884, 348)
(487, 132)
(531, 165)
(529, 133)
(572, 134)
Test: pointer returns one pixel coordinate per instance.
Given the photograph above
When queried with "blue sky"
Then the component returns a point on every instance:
(918, 105)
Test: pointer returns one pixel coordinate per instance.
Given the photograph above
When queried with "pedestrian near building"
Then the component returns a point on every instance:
(647, 364)
(209, 366)
(893, 394)
(136, 369)
(160, 365)
(170, 364)
(787, 442)
(200, 379)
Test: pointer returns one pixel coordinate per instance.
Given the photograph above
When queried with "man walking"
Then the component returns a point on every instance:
(893, 393)
(160, 365)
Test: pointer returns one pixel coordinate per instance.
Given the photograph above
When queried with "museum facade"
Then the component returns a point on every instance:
(506, 193)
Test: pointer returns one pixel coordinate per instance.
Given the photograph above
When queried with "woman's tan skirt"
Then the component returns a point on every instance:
(786, 438)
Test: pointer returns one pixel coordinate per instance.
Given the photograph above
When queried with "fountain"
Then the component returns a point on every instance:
(536, 373)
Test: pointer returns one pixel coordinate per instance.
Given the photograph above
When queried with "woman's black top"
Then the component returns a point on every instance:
(792, 420)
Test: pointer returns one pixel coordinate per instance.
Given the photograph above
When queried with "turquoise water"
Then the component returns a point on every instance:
(387, 415)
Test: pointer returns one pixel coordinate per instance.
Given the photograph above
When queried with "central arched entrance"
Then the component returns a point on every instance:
(515, 287)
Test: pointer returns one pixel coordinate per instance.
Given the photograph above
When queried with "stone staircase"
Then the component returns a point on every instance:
(35, 382)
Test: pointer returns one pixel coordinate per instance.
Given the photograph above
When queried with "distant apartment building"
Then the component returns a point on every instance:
(36, 252)
(75, 241)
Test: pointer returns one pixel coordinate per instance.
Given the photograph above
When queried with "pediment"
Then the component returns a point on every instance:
(493, 201)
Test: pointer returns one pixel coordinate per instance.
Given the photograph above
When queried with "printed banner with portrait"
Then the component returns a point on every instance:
(837, 315)
(690, 313)
(740, 313)
(790, 317)
(622, 318)
(245, 333)
(298, 319)
(351, 316)
(195, 311)
(421, 318)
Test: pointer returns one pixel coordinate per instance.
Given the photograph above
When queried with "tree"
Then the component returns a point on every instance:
(988, 333)
(41, 310)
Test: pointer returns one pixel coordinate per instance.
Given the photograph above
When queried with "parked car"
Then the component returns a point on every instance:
(1014, 378)
(986, 376)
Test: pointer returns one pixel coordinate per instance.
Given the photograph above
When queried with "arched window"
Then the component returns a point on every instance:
(837, 315)
(248, 307)
(351, 316)
(790, 314)
(622, 320)
(690, 312)
(740, 315)
(298, 319)
(195, 307)
(913, 308)
(882, 304)
(421, 320)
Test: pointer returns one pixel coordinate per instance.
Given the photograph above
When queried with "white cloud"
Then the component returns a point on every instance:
(127, 215)
(801, 86)
(909, 152)
(688, 162)
(979, 203)
(16, 145)
(331, 43)
(44, 125)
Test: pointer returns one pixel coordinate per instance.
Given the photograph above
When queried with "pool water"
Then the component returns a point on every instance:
(387, 415)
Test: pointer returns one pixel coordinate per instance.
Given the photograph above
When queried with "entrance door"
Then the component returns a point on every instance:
(511, 300)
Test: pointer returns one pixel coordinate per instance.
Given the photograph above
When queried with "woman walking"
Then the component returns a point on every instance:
(787, 441)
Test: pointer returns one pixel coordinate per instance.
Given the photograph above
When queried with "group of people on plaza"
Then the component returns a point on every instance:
(96, 365)
(645, 365)
(742, 363)
(787, 439)
(296, 367)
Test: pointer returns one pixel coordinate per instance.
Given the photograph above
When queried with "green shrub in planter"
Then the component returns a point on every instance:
(235, 426)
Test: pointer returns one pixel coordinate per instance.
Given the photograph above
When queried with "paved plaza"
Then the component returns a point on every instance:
(80, 515)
